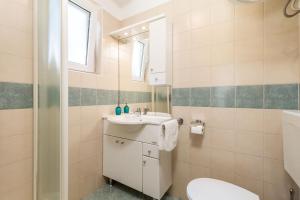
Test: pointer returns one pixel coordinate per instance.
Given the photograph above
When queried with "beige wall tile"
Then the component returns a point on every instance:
(222, 139)
(15, 69)
(200, 17)
(249, 166)
(250, 184)
(249, 119)
(15, 148)
(22, 117)
(273, 147)
(250, 143)
(15, 175)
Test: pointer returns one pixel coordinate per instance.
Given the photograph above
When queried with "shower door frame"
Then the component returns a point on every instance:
(64, 140)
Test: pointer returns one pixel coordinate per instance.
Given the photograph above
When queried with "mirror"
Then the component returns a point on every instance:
(134, 76)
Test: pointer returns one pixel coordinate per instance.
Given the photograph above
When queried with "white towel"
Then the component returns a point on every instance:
(168, 136)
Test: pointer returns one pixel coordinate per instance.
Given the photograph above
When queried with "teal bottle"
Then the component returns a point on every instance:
(126, 108)
(118, 110)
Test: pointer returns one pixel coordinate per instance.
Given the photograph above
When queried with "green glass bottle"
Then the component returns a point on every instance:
(118, 110)
(126, 108)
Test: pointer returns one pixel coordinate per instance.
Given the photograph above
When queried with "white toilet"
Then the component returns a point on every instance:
(212, 189)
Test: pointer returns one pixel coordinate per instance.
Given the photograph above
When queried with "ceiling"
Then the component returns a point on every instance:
(122, 3)
(122, 9)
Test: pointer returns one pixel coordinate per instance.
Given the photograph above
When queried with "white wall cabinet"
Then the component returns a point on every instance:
(160, 52)
(131, 157)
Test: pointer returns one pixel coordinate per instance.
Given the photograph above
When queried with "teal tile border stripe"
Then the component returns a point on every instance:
(90, 97)
(277, 96)
(280, 96)
(15, 96)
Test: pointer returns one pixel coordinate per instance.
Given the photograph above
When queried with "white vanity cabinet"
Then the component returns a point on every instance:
(131, 157)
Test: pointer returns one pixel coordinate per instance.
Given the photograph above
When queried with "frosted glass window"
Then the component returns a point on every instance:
(78, 33)
(137, 61)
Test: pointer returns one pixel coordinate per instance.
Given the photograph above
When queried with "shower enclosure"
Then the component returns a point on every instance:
(50, 102)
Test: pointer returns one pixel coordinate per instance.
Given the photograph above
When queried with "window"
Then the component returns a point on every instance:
(82, 21)
(139, 60)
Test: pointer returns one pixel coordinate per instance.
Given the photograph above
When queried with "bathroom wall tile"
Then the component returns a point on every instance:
(249, 96)
(15, 148)
(22, 117)
(249, 50)
(15, 95)
(251, 184)
(281, 96)
(15, 69)
(74, 96)
(249, 73)
(88, 96)
(23, 192)
(249, 166)
(15, 175)
(221, 118)
(272, 121)
(223, 32)
(200, 156)
(200, 97)
(222, 75)
(222, 11)
(273, 146)
(222, 139)
(200, 76)
(249, 120)
(200, 17)
(245, 143)
(201, 37)
(223, 53)
(223, 96)
(181, 96)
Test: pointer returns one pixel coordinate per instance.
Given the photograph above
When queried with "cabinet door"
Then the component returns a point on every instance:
(122, 161)
(158, 46)
(151, 177)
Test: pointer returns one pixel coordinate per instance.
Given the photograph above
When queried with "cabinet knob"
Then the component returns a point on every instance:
(144, 162)
(122, 142)
(117, 141)
(149, 152)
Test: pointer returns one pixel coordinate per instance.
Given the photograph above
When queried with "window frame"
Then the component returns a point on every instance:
(90, 65)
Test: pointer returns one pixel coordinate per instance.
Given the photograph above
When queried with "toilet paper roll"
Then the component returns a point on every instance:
(197, 130)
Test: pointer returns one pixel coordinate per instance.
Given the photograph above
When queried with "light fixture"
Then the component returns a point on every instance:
(144, 28)
(125, 33)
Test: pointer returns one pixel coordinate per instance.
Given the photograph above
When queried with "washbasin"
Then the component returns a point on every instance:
(133, 119)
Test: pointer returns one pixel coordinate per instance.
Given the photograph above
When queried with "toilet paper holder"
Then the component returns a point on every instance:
(197, 122)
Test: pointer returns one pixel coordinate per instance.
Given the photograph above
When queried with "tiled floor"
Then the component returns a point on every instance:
(120, 192)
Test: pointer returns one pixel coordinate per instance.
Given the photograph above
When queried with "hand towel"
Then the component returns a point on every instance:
(168, 136)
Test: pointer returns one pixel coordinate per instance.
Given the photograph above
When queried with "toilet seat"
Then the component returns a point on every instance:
(213, 189)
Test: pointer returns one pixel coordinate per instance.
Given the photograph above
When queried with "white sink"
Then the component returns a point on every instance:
(133, 119)
(291, 144)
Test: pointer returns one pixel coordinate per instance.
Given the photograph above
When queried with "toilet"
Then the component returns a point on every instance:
(213, 189)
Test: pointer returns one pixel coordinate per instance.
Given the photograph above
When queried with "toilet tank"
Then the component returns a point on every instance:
(291, 144)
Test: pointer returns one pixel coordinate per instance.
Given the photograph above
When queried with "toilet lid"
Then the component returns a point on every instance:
(212, 189)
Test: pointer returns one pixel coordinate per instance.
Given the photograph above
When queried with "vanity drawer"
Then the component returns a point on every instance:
(150, 150)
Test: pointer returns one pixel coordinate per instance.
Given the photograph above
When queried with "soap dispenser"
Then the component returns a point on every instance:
(126, 108)
(118, 110)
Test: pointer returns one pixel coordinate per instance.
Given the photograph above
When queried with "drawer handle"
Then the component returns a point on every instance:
(122, 142)
(149, 152)
(117, 141)
(144, 162)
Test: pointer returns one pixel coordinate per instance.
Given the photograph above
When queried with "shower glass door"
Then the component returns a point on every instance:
(50, 102)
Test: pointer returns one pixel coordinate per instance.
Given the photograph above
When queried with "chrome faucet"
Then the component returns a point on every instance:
(146, 110)
(138, 111)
